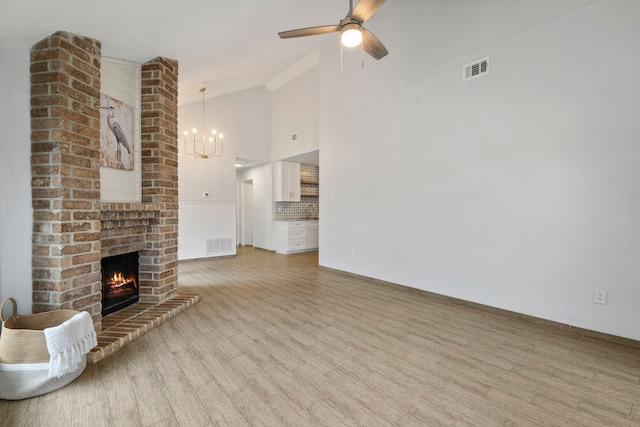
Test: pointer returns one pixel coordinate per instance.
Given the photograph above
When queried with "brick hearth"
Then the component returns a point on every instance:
(131, 323)
(72, 227)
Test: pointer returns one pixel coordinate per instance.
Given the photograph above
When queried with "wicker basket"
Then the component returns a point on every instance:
(24, 380)
(24, 358)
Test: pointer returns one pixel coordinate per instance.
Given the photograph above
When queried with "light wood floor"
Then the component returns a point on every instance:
(275, 340)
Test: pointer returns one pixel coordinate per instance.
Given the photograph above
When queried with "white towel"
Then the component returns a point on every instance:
(69, 342)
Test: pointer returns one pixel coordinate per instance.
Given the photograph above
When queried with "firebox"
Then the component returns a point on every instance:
(119, 282)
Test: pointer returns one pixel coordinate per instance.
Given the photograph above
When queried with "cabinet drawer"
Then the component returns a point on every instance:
(297, 233)
(296, 244)
(296, 225)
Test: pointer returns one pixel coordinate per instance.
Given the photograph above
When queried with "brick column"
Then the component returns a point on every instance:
(159, 261)
(65, 144)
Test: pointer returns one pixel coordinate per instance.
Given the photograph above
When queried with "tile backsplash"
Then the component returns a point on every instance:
(296, 210)
(307, 207)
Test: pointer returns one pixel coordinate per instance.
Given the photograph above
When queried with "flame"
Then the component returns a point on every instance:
(119, 280)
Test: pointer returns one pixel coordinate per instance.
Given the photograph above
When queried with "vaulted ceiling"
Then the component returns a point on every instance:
(225, 45)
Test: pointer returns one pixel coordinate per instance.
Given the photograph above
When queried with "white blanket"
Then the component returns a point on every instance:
(69, 342)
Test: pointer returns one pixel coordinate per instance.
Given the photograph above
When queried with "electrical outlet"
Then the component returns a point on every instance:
(600, 296)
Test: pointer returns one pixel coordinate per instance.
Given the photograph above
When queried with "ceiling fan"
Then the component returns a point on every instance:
(351, 29)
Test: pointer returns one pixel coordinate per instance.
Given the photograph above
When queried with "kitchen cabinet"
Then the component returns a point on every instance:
(312, 235)
(296, 236)
(286, 182)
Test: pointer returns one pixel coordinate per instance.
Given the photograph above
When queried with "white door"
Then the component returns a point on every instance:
(247, 213)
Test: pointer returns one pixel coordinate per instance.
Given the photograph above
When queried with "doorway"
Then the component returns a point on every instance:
(246, 237)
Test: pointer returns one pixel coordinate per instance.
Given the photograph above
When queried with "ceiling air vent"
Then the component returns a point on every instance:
(475, 69)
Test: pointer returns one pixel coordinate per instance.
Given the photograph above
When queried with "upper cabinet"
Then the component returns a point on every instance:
(286, 182)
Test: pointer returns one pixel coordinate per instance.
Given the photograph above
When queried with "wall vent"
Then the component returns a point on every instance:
(220, 246)
(475, 69)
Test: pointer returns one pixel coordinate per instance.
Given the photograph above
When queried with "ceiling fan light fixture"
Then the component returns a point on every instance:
(351, 34)
(351, 28)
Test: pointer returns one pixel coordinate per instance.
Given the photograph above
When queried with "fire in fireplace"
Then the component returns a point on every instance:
(119, 282)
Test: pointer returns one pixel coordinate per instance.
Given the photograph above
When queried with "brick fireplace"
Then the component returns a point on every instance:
(72, 228)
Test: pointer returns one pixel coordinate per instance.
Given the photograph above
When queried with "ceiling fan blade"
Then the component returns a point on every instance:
(372, 45)
(365, 8)
(310, 31)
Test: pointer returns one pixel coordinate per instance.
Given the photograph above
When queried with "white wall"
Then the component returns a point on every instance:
(295, 110)
(250, 112)
(245, 120)
(15, 177)
(517, 189)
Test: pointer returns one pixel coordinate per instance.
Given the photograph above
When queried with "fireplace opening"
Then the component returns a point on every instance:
(119, 282)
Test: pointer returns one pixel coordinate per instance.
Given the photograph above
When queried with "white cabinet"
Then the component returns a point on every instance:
(286, 182)
(296, 236)
(312, 235)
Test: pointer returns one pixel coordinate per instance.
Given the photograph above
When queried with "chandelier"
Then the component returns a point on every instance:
(208, 148)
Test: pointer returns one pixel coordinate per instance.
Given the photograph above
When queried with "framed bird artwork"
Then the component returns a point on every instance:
(116, 133)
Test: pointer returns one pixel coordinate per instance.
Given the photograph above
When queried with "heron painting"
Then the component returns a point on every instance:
(116, 133)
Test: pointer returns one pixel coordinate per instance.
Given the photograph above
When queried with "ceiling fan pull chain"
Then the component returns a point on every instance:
(362, 50)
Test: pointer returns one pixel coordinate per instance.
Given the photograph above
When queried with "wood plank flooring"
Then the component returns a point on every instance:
(277, 341)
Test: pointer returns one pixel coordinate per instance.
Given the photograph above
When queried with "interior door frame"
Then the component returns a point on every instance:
(247, 213)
